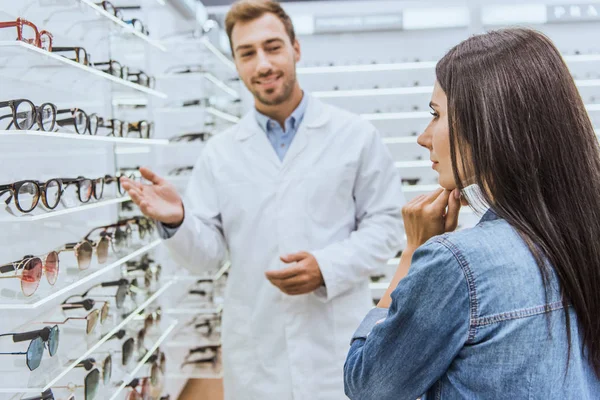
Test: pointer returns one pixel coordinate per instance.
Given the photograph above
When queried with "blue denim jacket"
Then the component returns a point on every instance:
(470, 321)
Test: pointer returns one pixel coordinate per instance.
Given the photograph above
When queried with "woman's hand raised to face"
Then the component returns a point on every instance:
(159, 201)
(430, 215)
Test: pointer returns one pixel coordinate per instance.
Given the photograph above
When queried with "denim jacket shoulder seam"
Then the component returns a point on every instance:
(518, 314)
(468, 273)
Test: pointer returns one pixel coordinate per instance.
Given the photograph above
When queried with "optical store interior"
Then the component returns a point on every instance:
(90, 91)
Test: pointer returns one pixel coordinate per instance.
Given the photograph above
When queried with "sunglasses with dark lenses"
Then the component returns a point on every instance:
(190, 137)
(83, 123)
(25, 114)
(30, 269)
(81, 56)
(87, 305)
(114, 68)
(29, 33)
(128, 348)
(27, 194)
(105, 367)
(40, 339)
(48, 395)
(123, 290)
(90, 385)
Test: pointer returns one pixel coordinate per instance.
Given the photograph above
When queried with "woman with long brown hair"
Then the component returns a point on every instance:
(511, 307)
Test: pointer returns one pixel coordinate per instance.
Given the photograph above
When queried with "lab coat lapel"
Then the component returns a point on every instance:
(314, 118)
(255, 142)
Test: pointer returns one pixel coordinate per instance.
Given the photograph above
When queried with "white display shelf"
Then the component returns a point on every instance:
(195, 109)
(336, 69)
(330, 94)
(419, 188)
(396, 91)
(125, 28)
(592, 107)
(413, 164)
(400, 140)
(15, 54)
(66, 211)
(93, 138)
(393, 261)
(396, 116)
(379, 285)
(38, 300)
(194, 76)
(142, 362)
(204, 43)
(194, 310)
(61, 372)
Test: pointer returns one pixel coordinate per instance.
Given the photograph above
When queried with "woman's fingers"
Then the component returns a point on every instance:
(454, 204)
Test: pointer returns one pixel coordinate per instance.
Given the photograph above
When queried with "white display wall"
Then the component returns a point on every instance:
(187, 320)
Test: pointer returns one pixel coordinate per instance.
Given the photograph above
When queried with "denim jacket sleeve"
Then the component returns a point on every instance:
(427, 324)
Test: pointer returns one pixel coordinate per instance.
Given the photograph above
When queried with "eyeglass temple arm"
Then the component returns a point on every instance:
(64, 48)
(120, 282)
(12, 354)
(128, 8)
(46, 395)
(24, 336)
(7, 268)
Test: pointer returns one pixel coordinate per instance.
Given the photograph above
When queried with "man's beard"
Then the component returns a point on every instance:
(288, 88)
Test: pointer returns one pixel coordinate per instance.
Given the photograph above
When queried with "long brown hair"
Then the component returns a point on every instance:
(513, 107)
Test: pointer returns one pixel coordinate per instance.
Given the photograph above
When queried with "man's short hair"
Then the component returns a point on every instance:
(249, 10)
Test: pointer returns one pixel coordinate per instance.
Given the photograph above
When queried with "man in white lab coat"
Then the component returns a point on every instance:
(305, 198)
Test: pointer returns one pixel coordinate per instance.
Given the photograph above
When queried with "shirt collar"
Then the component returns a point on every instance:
(295, 118)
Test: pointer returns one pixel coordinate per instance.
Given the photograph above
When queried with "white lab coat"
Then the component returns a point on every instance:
(337, 195)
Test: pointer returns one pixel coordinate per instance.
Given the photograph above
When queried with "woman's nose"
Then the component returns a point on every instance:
(424, 140)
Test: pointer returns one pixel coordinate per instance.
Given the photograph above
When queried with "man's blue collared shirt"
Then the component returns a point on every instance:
(281, 140)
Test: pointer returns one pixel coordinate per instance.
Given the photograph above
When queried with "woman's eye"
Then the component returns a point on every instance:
(435, 115)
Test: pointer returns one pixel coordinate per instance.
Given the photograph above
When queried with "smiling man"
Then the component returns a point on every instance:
(305, 200)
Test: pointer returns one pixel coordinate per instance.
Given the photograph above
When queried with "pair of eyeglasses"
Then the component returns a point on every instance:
(113, 68)
(116, 12)
(27, 194)
(181, 170)
(108, 180)
(48, 395)
(142, 78)
(90, 385)
(24, 114)
(88, 304)
(86, 187)
(152, 272)
(80, 54)
(91, 320)
(210, 360)
(80, 120)
(124, 289)
(144, 129)
(141, 129)
(29, 271)
(40, 339)
(105, 367)
(151, 386)
(186, 69)
(29, 33)
(190, 137)
(84, 250)
(411, 181)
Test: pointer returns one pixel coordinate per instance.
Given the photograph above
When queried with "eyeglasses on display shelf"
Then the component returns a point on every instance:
(24, 114)
(48, 395)
(91, 320)
(190, 137)
(113, 68)
(144, 129)
(80, 55)
(29, 33)
(104, 366)
(123, 290)
(181, 170)
(88, 304)
(80, 120)
(40, 340)
(29, 271)
(141, 78)
(90, 385)
(116, 12)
